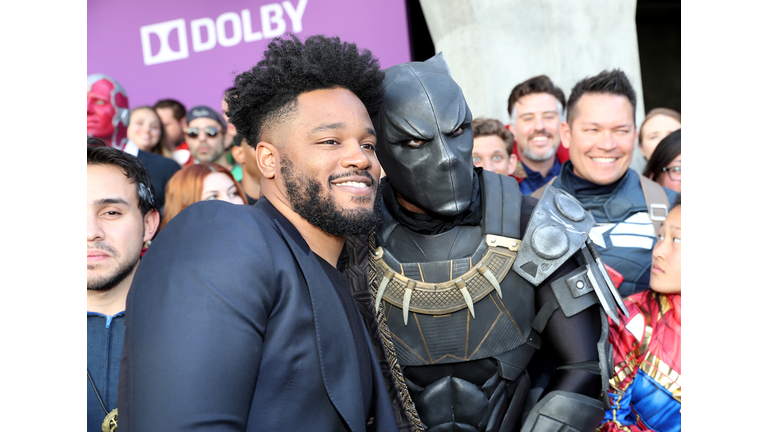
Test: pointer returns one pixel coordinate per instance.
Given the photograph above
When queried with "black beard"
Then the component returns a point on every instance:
(318, 208)
(108, 282)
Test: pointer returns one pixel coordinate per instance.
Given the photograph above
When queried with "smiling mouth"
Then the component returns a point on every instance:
(352, 184)
(604, 159)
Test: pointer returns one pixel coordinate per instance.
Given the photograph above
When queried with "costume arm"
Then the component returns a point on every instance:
(626, 363)
(571, 342)
(196, 317)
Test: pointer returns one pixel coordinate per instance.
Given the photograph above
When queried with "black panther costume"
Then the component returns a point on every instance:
(470, 278)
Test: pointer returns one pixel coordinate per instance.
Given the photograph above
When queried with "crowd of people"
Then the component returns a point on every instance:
(351, 250)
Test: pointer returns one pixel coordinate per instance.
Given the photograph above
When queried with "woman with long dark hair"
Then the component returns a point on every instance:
(146, 130)
(664, 166)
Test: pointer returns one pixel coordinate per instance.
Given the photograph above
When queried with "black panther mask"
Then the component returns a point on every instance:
(424, 136)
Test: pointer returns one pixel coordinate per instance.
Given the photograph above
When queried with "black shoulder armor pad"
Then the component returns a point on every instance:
(557, 229)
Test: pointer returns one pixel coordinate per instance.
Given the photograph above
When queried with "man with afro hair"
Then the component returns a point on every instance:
(240, 320)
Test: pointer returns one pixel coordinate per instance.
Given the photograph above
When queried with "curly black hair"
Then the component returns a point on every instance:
(268, 92)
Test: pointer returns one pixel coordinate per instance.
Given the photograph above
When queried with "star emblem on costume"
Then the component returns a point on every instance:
(596, 234)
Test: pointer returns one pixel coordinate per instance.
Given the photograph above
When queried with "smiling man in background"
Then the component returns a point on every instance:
(535, 109)
(600, 134)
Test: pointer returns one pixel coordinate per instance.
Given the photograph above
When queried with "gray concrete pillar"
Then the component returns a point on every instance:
(492, 45)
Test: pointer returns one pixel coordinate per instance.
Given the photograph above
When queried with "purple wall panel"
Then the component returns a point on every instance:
(192, 50)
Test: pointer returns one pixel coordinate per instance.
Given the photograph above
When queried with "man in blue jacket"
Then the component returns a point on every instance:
(238, 319)
(600, 134)
(121, 216)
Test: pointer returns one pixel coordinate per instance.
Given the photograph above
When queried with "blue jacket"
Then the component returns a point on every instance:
(105, 345)
(232, 324)
(623, 233)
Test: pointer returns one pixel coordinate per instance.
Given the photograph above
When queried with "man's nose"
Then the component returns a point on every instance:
(354, 156)
(95, 232)
(607, 141)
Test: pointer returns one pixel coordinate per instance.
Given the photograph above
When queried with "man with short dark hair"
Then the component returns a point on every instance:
(238, 318)
(173, 115)
(121, 217)
(600, 134)
(250, 176)
(535, 108)
(492, 146)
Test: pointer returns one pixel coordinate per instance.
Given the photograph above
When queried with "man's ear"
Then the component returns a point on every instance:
(267, 157)
(151, 222)
(512, 164)
(238, 153)
(565, 135)
(183, 122)
(510, 127)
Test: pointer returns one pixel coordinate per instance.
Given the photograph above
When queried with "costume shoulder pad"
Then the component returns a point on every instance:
(558, 227)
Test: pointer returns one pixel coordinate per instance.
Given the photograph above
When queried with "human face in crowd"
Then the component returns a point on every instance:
(144, 129)
(218, 186)
(666, 271)
(100, 109)
(536, 126)
(205, 148)
(245, 155)
(174, 129)
(328, 166)
(231, 131)
(490, 152)
(601, 137)
(665, 179)
(116, 229)
(654, 130)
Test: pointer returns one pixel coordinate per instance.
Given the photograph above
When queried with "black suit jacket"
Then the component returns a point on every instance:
(232, 324)
(160, 169)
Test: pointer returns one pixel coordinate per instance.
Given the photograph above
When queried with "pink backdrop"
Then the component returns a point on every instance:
(192, 50)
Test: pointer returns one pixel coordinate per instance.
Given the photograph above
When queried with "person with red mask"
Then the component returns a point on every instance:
(108, 119)
(108, 113)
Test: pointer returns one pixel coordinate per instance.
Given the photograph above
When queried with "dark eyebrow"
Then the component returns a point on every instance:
(327, 126)
(105, 201)
(335, 126)
(600, 124)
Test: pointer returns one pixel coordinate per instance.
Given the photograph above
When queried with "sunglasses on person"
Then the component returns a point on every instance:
(674, 172)
(193, 132)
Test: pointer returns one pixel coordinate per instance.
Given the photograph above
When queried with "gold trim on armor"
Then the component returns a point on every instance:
(505, 310)
(447, 297)
(426, 347)
(663, 374)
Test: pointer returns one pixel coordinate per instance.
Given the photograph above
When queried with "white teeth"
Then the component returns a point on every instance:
(353, 184)
(604, 160)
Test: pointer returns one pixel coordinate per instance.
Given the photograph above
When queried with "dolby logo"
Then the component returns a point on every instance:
(207, 33)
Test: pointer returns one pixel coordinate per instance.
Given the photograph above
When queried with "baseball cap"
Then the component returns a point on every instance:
(204, 111)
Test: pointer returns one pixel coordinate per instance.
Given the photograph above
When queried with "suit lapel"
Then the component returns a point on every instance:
(338, 359)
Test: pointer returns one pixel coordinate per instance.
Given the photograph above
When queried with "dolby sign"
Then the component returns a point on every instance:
(227, 30)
